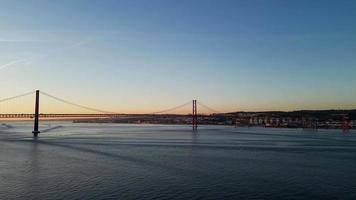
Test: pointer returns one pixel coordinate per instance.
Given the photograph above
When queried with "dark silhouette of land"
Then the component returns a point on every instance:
(293, 119)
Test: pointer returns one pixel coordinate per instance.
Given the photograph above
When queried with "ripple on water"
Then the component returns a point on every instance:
(111, 161)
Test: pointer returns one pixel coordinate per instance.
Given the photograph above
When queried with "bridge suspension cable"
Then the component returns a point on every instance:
(208, 108)
(77, 105)
(104, 111)
(18, 96)
(108, 112)
(171, 109)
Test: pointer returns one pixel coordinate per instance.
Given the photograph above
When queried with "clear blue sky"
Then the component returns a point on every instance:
(138, 56)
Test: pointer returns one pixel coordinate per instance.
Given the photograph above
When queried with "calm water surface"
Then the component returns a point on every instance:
(112, 161)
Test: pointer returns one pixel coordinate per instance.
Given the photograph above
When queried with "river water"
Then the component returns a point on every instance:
(121, 161)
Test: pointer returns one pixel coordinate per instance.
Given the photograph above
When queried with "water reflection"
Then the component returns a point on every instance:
(33, 182)
(89, 161)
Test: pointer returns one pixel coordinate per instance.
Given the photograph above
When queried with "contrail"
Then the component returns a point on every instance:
(12, 63)
(79, 44)
(20, 41)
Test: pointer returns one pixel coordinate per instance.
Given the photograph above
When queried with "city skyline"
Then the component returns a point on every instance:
(140, 57)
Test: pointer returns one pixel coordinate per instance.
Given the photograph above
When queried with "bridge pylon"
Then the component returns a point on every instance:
(195, 116)
(345, 123)
(37, 105)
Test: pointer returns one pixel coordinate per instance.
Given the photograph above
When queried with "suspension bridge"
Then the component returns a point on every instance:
(94, 112)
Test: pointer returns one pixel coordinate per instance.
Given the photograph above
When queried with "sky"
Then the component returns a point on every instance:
(142, 56)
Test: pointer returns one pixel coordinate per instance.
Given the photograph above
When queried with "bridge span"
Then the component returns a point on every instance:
(97, 112)
(24, 116)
